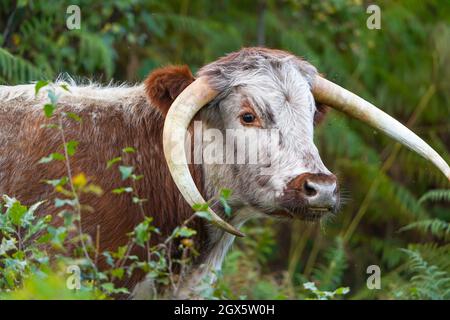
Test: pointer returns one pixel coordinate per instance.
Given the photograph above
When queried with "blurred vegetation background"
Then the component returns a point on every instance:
(403, 68)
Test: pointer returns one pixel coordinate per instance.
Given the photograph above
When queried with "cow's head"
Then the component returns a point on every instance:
(260, 90)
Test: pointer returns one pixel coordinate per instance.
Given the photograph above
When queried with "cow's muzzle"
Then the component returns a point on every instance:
(311, 196)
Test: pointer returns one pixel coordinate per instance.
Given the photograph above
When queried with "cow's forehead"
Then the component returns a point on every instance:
(281, 85)
(263, 67)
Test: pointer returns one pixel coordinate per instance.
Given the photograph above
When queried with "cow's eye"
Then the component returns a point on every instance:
(248, 117)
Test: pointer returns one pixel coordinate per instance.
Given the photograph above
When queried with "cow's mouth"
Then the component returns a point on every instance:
(315, 213)
(304, 213)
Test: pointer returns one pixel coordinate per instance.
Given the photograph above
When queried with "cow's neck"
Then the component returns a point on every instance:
(205, 273)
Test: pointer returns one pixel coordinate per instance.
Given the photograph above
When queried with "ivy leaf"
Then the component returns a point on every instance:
(186, 232)
(15, 212)
(129, 150)
(28, 218)
(71, 147)
(53, 97)
(65, 87)
(62, 202)
(54, 156)
(49, 109)
(226, 206)
(109, 259)
(39, 85)
(142, 232)
(342, 290)
(57, 182)
(200, 207)
(122, 190)
(137, 177)
(73, 116)
(111, 289)
(204, 214)
(126, 172)
(7, 244)
(120, 253)
(118, 273)
(138, 200)
(111, 162)
(225, 193)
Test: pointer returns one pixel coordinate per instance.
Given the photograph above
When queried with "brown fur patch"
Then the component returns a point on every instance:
(163, 85)
(107, 127)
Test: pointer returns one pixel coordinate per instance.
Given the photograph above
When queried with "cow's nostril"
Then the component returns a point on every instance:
(309, 189)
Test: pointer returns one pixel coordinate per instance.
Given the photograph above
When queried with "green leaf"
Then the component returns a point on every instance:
(111, 162)
(138, 200)
(204, 214)
(29, 217)
(71, 147)
(109, 259)
(7, 244)
(65, 87)
(342, 290)
(226, 206)
(186, 232)
(128, 150)
(39, 85)
(58, 235)
(225, 193)
(63, 202)
(54, 156)
(122, 190)
(68, 217)
(137, 177)
(57, 182)
(142, 232)
(53, 97)
(73, 116)
(200, 207)
(111, 289)
(118, 273)
(16, 212)
(126, 172)
(49, 109)
(108, 287)
(120, 253)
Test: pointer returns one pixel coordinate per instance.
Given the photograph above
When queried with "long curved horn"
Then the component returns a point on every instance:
(180, 114)
(331, 94)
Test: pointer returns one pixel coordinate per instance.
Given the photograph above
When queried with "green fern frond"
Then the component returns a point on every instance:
(187, 24)
(330, 275)
(429, 281)
(17, 70)
(350, 146)
(434, 253)
(95, 53)
(436, 195)
(436, 227)
(402, 203)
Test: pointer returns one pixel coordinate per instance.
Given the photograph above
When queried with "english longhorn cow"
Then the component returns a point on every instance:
(250, 90)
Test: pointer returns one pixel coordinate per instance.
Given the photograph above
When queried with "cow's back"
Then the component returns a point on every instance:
(112, 119)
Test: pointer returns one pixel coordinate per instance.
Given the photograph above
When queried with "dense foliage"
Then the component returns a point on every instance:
(390, 218)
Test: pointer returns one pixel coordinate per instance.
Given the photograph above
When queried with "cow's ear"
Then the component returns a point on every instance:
(321, 111)
(163, 85)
